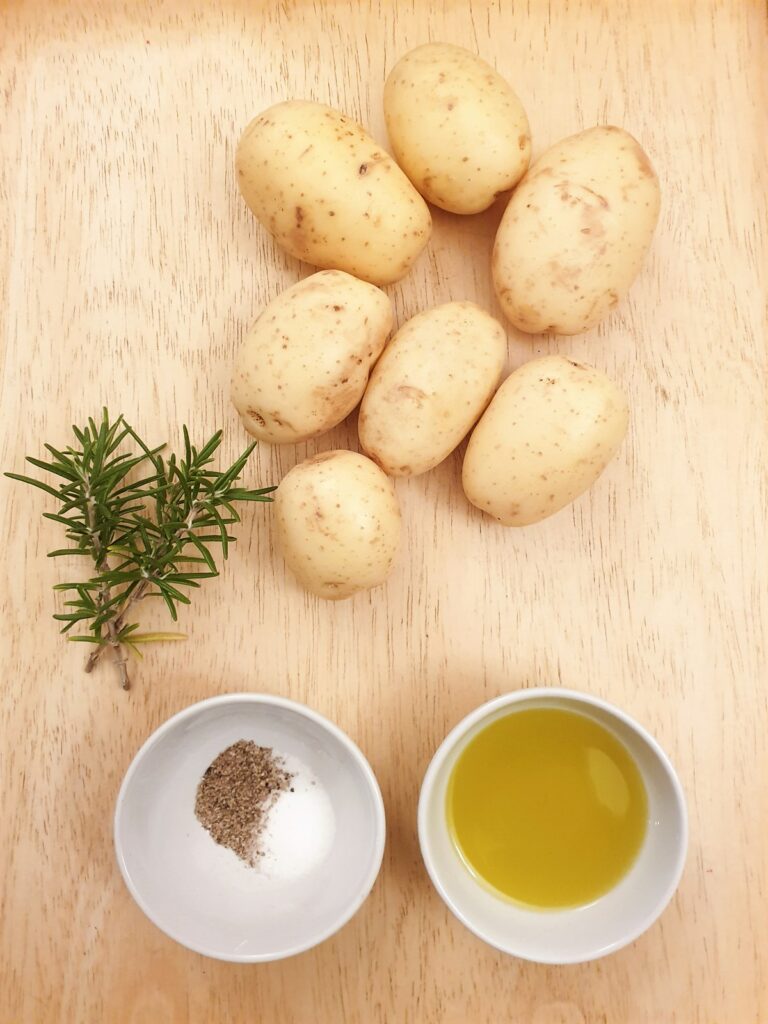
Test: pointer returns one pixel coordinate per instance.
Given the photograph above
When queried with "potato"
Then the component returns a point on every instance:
(329, 194)
(549, 432)
(435, 378)
(338, 523)
(304, 364)
(456, 127)
(576, 232)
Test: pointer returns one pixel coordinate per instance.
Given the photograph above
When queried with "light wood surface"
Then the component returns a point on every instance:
(130, 271)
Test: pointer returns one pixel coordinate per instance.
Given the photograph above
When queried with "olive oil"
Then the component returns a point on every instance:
(547, 807)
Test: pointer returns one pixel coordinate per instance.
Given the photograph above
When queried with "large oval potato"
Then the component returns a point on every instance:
(549, 432)
(575, 232)
(433, 381)
(456, 127)
(329, 194)
(304, 364)
(338, 523)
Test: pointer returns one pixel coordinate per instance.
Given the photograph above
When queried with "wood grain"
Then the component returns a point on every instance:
(130, 271)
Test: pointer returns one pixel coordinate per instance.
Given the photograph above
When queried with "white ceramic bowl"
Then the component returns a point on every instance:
(331, 831)
(582, 933)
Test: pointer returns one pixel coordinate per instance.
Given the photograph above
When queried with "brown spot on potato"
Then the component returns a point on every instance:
(407, 392)
(563, 275)
(256, 417)
(525, 315)
(375, 158)
(299, 216)
(522, 141)
(600, 198)
(644, 165)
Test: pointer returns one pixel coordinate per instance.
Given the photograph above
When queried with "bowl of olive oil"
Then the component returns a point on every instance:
(553, 825)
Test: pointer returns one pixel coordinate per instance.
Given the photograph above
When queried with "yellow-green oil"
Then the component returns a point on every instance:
(547, 807)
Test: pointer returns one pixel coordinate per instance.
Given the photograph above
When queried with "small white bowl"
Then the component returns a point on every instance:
(576, 934)
(200, 894)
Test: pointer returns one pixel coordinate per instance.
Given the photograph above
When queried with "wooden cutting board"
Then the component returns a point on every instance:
(131, 269)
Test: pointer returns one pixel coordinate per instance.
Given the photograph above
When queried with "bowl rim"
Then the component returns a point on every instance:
(550, 693)
(192, 711)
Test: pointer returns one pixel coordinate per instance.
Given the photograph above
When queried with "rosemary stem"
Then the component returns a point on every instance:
(102, 565)
(115, 624)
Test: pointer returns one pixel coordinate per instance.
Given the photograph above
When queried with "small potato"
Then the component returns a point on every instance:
(338, 523)
(328, 194)
(435, 378)
(576, 232)
(549, 432)
(304, 364)
(456, 127)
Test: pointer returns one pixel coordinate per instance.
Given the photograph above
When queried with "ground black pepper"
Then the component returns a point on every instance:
(236, 793)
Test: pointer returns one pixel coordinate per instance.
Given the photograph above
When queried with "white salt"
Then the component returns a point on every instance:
(299, 828)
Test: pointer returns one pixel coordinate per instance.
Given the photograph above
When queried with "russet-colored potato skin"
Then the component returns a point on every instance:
(429, 387)
(575, 232)
(328, 194)
(549, 432)
(338, 523)
(456, 127)
(303, 366)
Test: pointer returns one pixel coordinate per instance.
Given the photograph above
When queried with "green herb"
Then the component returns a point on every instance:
(147, 523)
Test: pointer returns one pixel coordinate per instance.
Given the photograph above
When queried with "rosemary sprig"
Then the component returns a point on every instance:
(147, 523)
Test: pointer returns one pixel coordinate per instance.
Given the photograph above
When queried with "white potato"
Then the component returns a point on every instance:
(304, 364)
(456, 127)
(576, 232)
(338, 523)
(548, 434)
(329, 194)
(429, 387)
